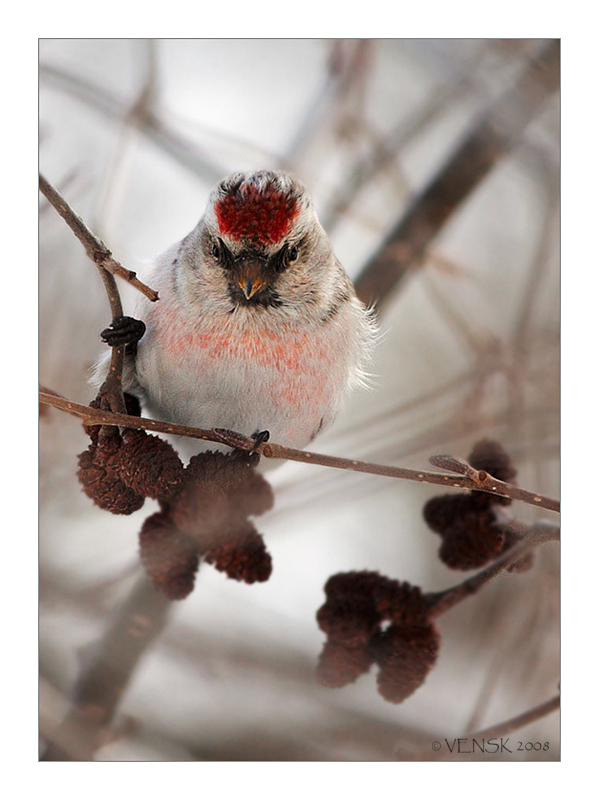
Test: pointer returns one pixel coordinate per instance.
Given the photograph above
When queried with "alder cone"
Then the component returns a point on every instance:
(219, 492)
(169, 556)
(472, 541)
(149, 465)
(101, 480)
(400, 602)
(340, 664)
(234, 476)
(357, 606)
(443, 511)
(350, 615)
(244, 557)
(207, 518)
(489, 455)
(405, 655)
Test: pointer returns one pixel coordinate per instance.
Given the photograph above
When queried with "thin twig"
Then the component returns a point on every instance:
(494, 731)
(94, 247)
(92, 416)
(107, 267)
(169, 141)
(540, 533)
(385, 152)
(346, 64)
(515, 723)
(493, 137)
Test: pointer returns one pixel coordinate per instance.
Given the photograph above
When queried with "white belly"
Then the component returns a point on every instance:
(245, 381)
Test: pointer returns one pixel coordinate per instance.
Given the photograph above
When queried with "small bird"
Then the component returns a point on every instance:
(258, 328)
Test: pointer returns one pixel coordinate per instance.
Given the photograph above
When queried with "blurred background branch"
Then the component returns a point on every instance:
(137, 131)
(492, 137)
(102, 681)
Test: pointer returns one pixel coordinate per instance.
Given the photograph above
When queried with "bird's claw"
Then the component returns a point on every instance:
(259, 438)
(123, 331)
(232, 439)
(242, 445)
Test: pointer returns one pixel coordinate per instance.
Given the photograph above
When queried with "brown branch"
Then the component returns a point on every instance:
(540, 533)
(143, 615)
(94, 247)
(384, 153)
(346, 67)
(493, 731)
(100, 686)
(480, 479)
(495, 135)
(92, 416)
(151, 126)
(97, 251)
(515, 723)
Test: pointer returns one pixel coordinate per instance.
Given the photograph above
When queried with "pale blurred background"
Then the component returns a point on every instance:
(135, 133)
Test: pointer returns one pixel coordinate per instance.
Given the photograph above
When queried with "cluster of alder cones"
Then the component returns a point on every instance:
(204, 515)
(371, 619)
(204, 507)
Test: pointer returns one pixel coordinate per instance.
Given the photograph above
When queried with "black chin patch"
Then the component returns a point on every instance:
(265, 298)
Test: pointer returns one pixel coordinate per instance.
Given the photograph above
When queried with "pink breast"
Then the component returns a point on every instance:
(296, 371)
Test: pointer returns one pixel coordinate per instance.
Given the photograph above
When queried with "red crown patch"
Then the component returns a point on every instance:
(262, 215)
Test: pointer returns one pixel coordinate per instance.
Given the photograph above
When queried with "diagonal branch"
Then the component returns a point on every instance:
(151, 126)
(540, 533)
(496, 134)
(496, 731)
(384, 152)
(97, 251)
(515, 723)
(94, 247)
(102, 683)
(92, 416)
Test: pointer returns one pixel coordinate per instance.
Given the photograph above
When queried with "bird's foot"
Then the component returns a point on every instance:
(259, 438)
(243, 446)
(124, 330)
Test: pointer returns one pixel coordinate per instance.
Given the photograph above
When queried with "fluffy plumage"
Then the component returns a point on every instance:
(258, 326)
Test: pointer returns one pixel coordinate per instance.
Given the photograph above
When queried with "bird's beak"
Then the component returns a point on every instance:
(251, 279)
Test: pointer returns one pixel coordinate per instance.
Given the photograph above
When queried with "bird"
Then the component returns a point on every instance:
(258, 328)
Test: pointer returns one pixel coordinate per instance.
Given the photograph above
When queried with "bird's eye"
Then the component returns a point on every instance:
(220, 253)
(292, 254)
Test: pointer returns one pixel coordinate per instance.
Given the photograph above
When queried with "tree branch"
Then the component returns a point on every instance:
(92, 416)
(494, 136)
(540, 533)
(494, 731)
(102, 257)
(515, 723)
(94, 247)
(101, 684)
(151, 126)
